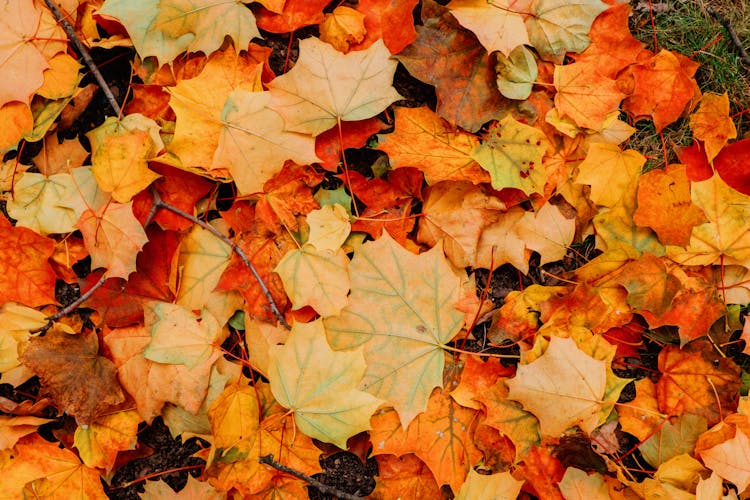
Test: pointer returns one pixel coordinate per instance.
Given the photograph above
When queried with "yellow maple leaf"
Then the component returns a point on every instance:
(712, 124)
(562, 388)
(343, 27)
(99, 443)
(317, 278)
(319, 385)
(254, 142)
(401, 309)
(113, 237)
(498, 24)
(326, 86)
(120, 153)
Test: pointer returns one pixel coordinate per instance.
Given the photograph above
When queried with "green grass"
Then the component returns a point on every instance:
(685, 26)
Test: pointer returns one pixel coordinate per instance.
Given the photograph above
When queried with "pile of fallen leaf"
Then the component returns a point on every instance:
(217, 208)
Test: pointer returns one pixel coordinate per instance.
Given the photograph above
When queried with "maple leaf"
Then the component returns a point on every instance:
(585, 95)
(457, 213)
(612, 46)
(254, 143)
(404, 477)
(26, 276)
(729, 165)
(23, 60)
(166, 28)
(153, 384)
(501, 485)
(81, 382)
(451, 59)
(326, 87)
(559, 26)
(194, 488)
(36, 467)
(729, 459)
(665, 205)
(319, 385)
(38, 203)
(440, 437)
(663, 88)
(389, 20)
(342, 28)
(547, 232)
(612, 174)
(672, 438)
(196, 344)
(650, 286)
(294, 15)
(569, 377)
(120, 153)
(692, 383)
(577, 484)
(416, 294)
(14, 428)
(712, 124)
(317, 278)
(499, 24)
(510, 418)
(99, 443)
(203, 258)
(724, 238)
(61, 78)
(501, 244)
(199, 102)
(113, 237)
(176, 187)
(512, 154)
(329, 146)
(329, 227)
(19, 124)
(424, 140)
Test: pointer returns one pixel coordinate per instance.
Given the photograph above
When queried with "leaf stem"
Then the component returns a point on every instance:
(323, 488)
(159, 203)
(71, 32)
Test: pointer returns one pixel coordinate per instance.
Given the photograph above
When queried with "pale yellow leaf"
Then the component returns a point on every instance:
(499, 486)
(179, 337)
(578, 485)
(316, 278)
(731, 460)
(329, 227)
(203, 258)
(319, 385)
(498, 24)
(401, 309)
(255, 143)
(562, 388)
(326, 86)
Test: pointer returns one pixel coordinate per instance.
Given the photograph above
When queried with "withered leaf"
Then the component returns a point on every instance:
(81, 382)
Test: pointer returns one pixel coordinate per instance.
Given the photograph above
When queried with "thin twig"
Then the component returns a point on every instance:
(72, 306)
(323, 488)
(732, 34)
(159, 203)
(71, 32)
